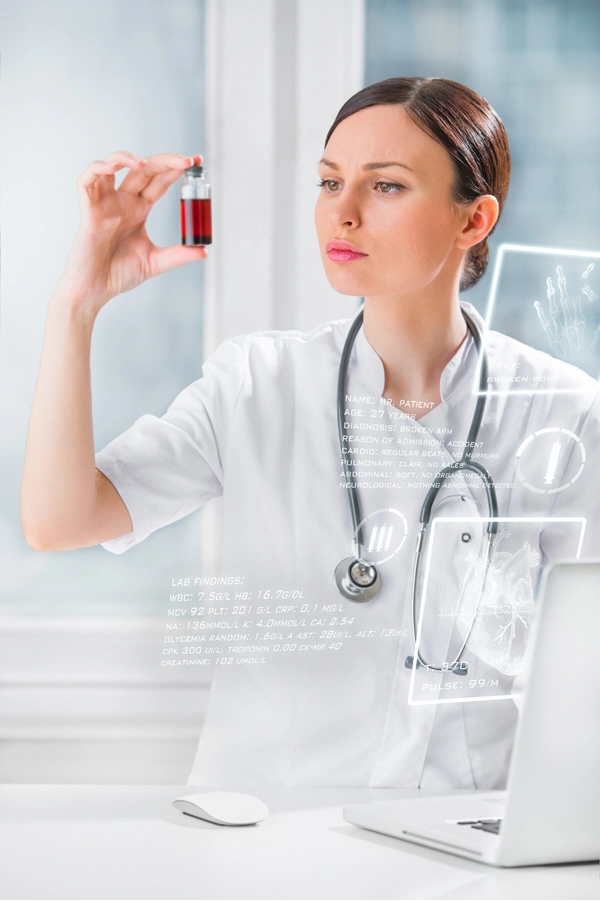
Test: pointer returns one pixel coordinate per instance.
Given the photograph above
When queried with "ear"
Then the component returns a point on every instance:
(477, 220)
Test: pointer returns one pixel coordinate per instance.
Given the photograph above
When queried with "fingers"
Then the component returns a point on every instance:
(123, 156)
(163, 165)
(165, 258)
(104, 170)
(160, 184)
(562, 285)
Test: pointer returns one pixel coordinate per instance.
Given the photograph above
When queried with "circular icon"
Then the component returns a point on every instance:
(550, 460)
(383, 534)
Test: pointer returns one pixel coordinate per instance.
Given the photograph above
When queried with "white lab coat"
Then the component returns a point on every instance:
(260, 429)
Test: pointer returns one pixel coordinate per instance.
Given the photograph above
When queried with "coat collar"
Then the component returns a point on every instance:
(461, 368)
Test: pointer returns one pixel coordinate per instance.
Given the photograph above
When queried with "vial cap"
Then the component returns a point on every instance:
(194, 170)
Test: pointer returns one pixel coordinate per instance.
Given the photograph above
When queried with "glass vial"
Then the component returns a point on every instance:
(196, 221)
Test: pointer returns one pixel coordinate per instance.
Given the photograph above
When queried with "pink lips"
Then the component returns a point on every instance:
(343, 251)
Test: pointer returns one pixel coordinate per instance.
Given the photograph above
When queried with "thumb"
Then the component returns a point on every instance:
(165, 258)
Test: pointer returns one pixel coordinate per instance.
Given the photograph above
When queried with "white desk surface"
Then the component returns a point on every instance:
(128, 842)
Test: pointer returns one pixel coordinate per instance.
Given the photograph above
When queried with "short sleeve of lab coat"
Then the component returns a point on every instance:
(166, 467)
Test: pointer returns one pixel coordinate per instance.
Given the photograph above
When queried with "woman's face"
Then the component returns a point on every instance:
(386, 192)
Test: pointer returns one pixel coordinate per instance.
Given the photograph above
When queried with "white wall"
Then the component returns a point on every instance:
(83, 700)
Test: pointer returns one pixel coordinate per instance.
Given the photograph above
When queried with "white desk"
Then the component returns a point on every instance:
(128, 842)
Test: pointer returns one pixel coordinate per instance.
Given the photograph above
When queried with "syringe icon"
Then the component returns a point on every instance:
(382, 538)
(552, 462)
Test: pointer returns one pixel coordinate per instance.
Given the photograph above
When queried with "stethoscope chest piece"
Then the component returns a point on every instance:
(357, 580)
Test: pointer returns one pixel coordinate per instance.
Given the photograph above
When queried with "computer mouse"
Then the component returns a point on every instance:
(224, 808)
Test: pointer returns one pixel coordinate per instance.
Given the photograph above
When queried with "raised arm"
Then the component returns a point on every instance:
(66, 502)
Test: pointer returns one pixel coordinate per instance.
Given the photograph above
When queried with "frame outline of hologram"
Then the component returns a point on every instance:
(521, 248)
(483, 520)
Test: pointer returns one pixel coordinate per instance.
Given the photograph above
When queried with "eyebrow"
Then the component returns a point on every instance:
(368, 166)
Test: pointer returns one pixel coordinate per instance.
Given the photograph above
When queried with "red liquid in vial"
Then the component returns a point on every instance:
(196, 224)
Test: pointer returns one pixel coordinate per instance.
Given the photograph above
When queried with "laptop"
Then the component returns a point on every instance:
(550, 811)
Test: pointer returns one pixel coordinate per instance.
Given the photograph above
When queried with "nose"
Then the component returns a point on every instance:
(344, 211)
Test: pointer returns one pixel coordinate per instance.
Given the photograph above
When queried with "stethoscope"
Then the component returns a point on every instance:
(355, 577)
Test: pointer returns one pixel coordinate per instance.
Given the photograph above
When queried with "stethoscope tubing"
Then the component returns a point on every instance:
(341, 419)
(466, 463)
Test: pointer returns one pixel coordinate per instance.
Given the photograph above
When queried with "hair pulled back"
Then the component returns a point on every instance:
(470, 130)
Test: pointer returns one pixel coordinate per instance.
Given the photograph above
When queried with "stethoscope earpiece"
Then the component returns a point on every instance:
(357, 580)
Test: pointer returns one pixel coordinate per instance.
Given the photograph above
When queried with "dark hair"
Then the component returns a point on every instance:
(470, 130)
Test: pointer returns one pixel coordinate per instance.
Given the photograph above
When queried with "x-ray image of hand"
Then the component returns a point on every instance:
(565, 325)
(502, 606)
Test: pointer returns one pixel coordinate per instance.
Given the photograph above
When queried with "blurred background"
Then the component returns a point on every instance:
(253, 85)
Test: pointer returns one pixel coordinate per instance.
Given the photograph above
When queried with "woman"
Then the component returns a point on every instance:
(316, 690)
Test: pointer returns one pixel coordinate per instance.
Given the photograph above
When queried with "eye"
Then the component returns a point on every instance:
(327, 184)
(387, 186)
(384, 187)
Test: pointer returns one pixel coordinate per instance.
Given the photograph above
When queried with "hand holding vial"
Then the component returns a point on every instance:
(65, 501)
(112, 252)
